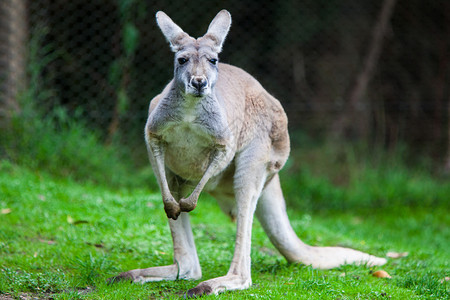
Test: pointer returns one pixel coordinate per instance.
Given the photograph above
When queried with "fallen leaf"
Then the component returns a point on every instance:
(97, 245)
(5, 211)
(381, 274)
(78, 222)
(48, 242)
(397, 254)
(70, 219)
(445, 279)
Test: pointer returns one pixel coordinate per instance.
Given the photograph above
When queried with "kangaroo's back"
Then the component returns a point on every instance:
(251, 109)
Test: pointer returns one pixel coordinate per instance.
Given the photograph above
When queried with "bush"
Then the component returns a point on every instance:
(65, 147)
(324, 176)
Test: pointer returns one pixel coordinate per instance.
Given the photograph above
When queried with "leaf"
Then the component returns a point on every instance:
(123, 101)
(381, 274)
(48, 242)
(5, 211)
(130, 36)
(78, 222)
(70, 220)
(115, 72)
(397, 254)
(96, 245)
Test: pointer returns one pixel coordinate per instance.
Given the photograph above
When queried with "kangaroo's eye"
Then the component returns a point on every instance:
(213, 61)
(182, 60)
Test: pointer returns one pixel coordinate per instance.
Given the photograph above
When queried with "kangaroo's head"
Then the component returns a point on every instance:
(196, 60)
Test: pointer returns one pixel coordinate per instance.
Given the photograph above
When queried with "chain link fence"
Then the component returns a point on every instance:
(103, 60)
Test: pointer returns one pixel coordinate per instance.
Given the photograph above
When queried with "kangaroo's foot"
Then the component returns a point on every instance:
(170, 272)
(220, 284)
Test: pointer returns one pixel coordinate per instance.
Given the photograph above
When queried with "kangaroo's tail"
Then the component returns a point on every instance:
(271, 212)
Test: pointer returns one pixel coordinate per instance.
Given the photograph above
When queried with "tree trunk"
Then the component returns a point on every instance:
(13, 35)
(447, 163)
(354, 119)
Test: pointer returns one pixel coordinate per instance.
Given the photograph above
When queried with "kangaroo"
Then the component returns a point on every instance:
(215, 128)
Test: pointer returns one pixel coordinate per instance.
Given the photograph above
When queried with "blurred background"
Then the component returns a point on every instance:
(375, 73)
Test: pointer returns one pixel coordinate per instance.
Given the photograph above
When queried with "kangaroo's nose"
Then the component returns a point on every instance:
(199, 82)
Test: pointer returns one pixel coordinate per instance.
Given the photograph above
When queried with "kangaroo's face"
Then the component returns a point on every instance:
(196, 68)
(196, 60)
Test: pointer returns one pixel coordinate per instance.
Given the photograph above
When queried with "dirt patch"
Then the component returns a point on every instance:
(42, 296)
(26, 296)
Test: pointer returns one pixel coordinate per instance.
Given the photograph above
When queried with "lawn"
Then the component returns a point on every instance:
(62, 238)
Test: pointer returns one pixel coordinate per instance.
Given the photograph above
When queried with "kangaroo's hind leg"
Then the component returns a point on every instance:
(271, 212)
(186, 264)
(248, 182)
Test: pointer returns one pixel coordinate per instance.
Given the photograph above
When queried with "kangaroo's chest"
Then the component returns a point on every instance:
(191, 132)
(188, 148)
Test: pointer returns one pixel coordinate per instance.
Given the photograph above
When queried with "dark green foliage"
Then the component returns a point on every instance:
(323, 177)
(67, 148)
(110, 59)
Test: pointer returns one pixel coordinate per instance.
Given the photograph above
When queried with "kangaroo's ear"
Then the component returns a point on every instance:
(173, 33)
(218, 29)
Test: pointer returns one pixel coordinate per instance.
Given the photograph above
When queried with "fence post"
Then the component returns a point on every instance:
(13, 34)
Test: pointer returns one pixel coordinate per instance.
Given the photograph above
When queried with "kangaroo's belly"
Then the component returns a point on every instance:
(188, 150)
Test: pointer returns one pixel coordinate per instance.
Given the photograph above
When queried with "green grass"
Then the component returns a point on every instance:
(62, 238)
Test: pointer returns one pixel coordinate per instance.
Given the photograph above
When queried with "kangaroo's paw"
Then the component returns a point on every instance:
(124, 276)
(172, 208)
(188, 204)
